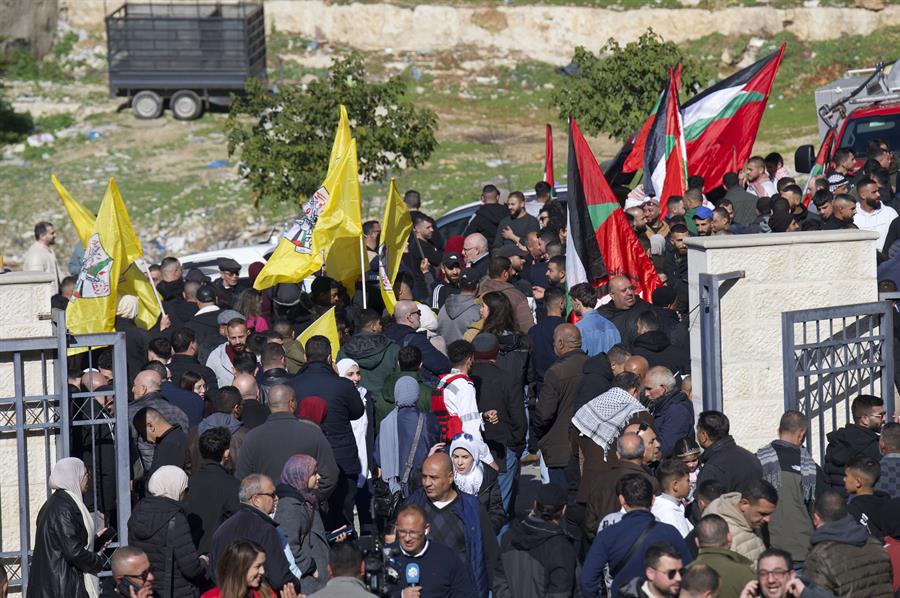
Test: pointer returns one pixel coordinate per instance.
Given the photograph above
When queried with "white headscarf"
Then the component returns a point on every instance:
(360, 425)
(168, 481)
(128, 307)
(469, 481)
(66, 476)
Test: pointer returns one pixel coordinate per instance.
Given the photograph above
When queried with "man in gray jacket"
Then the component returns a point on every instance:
(460, 310)
(346, 568)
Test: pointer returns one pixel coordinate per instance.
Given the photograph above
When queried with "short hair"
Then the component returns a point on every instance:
(670, 470)
(714, 424)
(648, 319)
(866, 467)
(412, 199)
(369, 226)
(776, 553)
(636, 454)
(409, 358)
(283, 326)
(117, 561)
(636, 490)
(842, 154)
(272, 354)
(627, 381)
(618, 353)
(244, 362)
(712, 530)
(700, 578)
(674, 200)
(419, 217)
(764, 205)
(559, 261)
(365, 317)
(793, 188)
(696, 182)
(863, 403)
(542, 189)
(490, 190)
(681, 229)
(890, 436)
(345, 559)
(40, 229)
(842, 198)
(161, 346)
(413, 509)
(655, 553)
(213, 443)
(792, 421)
(498, 265)
(822, 197)
(516, 195)
(830, 506)
(318, 348)
(864, 182)
(251, 485)
(554, 293)
(721, 213)
(156, 366)
(459, 351)
(774, 159)
(584, 292)
(730, 179)
(710, 490)
(755, 490)
(227, 399)
(757, 160)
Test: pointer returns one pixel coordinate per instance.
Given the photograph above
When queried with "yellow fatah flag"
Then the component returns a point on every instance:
(108, 252)
(325, 326)
(341, 140)
(331, 213)
(135, 281)
(395, 230)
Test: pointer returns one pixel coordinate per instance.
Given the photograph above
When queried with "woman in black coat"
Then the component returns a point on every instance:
(65, 564)
(159, 527)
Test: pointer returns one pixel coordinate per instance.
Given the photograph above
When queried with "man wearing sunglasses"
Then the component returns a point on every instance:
(662, 574)
(132, 576)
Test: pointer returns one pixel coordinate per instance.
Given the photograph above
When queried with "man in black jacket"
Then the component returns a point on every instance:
(213, 493)
(859, 439)
(318, 379)
(653, 344)
(184, 359)
(274, 371)
(406, 322)
(624, 308)
(723, 460)
(254, 522)
(268, 447)
(205, 322)
(537, 557)
(488, 215)
(169, 441)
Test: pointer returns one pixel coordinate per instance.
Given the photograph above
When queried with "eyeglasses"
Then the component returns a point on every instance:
(878, 415)
(763, 574)
(271, 495)
(415, 313)
(671, 573)
(143, 575)
(410, 533)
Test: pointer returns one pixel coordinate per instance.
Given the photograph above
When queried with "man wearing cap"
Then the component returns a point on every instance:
(228, 286)
(513, 229)
(537, 557)
(500, 391)
(703, 221)
(205, 322)
(451, 266)
(221, 359)
(460, 309)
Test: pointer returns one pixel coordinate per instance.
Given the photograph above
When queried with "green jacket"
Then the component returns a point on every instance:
(376, 355)
(734, 569)
(385, 403)
(294, 356)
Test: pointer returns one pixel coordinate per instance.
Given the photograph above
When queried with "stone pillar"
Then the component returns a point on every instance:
(784, 272)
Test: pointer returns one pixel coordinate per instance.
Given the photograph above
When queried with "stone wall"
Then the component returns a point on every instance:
(26, 314)
(29, 22)
(784, 272)
(547, 33)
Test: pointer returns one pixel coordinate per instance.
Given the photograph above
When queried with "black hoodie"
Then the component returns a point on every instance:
(657, 349)
(537, 559)
(486, 220)
(843, 445)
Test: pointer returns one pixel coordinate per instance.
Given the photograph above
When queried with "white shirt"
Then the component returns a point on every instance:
(878, 221)
(41, 258)
(767, 184)
(460, 400)
(668, 509)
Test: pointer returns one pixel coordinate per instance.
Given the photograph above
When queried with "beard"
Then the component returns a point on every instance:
(640, 230)
(874, 203)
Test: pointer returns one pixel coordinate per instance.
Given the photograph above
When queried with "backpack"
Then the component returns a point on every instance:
(451, 425)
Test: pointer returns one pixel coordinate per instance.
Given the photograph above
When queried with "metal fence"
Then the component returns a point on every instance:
(831, 355)
(49, 420)
(712, 288)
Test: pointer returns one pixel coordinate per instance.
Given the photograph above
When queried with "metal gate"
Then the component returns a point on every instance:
(831, 355)
(46, 421)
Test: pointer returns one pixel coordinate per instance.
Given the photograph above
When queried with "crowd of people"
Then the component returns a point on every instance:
(262, 466)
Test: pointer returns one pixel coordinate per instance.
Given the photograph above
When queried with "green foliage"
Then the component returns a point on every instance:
(14, 126)
(54, 122)
(614, 91)
(285, 139)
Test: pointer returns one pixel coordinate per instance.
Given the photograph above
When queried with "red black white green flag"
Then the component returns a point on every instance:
(600, 243)
(819, 167)
(635, 159)
(665, 156)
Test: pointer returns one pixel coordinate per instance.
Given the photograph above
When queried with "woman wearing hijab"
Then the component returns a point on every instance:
(298, 517)
(472, 477)
(65, 563)
(159, 527)
(364, 433)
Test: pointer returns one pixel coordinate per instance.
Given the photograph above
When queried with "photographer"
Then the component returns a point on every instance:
(346, 570)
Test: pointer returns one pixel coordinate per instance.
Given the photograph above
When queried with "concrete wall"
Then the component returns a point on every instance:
(547, 33)
(784, 272)
(30, 22)
(25, 297)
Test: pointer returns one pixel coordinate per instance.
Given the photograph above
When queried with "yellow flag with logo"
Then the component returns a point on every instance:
(341, 140)
(110, 249)
(395, 230)
(135, 281)
(325, 326)
(331, 213)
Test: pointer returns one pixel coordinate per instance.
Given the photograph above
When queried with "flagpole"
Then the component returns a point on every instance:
(142, 266)
(362, 266)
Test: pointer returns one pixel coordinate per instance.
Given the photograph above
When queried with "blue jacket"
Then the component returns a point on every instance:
(613, 543)
(467, 509)
(598, 334)
(186, 400)
(673, 419)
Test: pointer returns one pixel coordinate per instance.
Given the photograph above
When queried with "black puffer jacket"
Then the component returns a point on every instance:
(60, 558)
(176, 564)
(537, 560)
(729, 464)
(843, 445)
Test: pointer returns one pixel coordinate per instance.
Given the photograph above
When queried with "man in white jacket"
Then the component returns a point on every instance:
(675, 482)
(460, 398)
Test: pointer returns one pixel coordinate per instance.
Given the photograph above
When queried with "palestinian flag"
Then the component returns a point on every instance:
(819, 167)
(635, 159)
(600, 243)
(548, 161)
(665, 161)
(720, 124)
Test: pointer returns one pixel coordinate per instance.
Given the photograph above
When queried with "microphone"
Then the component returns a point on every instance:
(412, 574)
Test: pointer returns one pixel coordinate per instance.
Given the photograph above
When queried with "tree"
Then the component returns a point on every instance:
(614, 91)
(285, 139)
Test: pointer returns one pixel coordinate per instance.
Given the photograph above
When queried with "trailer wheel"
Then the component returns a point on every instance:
(186, 105)
(147, 104)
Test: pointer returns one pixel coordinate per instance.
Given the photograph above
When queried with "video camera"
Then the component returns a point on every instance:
(382, 575)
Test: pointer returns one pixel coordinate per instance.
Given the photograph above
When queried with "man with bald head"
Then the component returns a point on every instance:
(457, 519)
(407, 318)
(555, 407)
(267, 447)
(253, 412)
(476, 253)
(636, 365)
(624, 308)
(145, 389)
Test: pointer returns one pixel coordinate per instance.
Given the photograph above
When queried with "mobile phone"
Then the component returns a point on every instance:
(347, 529)
(125, 586)
(108, 534)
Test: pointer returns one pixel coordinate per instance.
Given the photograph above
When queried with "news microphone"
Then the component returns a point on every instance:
(412, 574)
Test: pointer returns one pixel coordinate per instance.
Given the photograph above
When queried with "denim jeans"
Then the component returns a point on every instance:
(509, 481)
